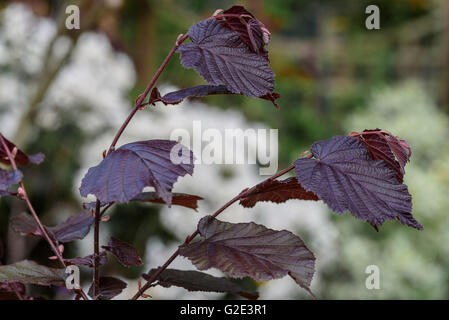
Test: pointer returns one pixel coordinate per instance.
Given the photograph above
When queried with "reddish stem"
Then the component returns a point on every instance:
(27, 200)
(103, 211)
(241, 195)
(16, 291)
(96, 279)
(136, 108)
(42, 229)
(147, 91)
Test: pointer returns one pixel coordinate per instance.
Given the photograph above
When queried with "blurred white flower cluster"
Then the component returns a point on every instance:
(92, 85)
(23, 40)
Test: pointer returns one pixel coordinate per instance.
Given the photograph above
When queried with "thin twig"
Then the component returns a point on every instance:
(23, 194)
(16, 291)
(147, 91)
(136, 107)
(106, 208)
(96, 279)
(241, 195)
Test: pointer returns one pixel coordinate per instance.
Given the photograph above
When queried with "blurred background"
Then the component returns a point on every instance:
(66, 92)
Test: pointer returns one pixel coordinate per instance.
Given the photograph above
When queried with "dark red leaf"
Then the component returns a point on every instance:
(345, 177)
(384, 146)
(7, 179)
(21, 158)
(178, 96)
(109, 288)
(400, 149)
(124, 252)
(379, 150)
(277, 191)
(199, 281)
(220, 57)
(74, 228)
(25, 224)
(249, 249)
(88, 261)
(29, 272)
(238, 19)
(180, 199)
(154, 96)
(272, 97)
(124, 173)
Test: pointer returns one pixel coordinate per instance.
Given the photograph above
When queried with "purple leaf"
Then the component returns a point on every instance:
(178, 96)
(109, 288)
(124, 173)
(36, 158)
(29, 272)
(220, 57)
(124, 252)
(199, 281)
(21, 158)
(238, 19)
(249, 249)
(7, 179)
(180, 199)
(74, 228)
(345, 177)
(88, 261)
